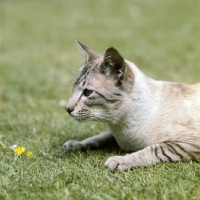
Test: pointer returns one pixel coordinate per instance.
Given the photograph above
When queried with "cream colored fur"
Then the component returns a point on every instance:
(156, 120)
(161, 111)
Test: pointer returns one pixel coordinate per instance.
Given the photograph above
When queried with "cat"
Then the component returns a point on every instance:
(156, 121)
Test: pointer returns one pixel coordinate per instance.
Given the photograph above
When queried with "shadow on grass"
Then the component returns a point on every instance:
(63, 154)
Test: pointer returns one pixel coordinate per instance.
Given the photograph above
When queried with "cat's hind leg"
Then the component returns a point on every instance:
(164, 152)
(94, 142)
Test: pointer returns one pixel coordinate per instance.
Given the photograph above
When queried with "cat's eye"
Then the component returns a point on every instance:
(87, 92)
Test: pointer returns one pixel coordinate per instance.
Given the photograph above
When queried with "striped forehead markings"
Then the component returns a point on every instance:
(85, 73)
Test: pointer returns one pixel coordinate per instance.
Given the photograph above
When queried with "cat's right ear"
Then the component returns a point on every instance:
(86, 53)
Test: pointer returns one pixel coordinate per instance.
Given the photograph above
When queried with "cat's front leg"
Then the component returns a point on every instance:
(163, 152)
(142, 158)
(93, 142)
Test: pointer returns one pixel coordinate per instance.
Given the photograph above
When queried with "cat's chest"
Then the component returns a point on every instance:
(128, 140)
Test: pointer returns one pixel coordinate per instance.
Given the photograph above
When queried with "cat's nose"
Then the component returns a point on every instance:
(69, 110)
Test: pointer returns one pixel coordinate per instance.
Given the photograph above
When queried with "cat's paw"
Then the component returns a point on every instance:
(122, 163)
(73, 145)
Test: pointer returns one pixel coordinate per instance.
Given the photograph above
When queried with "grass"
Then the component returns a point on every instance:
(38, 61)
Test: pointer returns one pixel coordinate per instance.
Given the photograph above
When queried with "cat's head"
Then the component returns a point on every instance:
(101, 88)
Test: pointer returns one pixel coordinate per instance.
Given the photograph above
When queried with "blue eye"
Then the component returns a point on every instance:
(87, 92)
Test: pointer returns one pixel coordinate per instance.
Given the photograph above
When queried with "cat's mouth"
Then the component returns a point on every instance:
(80, 118)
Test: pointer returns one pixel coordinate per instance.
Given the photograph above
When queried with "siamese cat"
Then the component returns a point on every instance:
(156, 121)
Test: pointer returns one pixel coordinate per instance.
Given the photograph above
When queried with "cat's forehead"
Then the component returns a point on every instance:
(88, 70)
(99, 81)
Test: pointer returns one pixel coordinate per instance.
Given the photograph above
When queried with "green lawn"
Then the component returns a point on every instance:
(38, 61)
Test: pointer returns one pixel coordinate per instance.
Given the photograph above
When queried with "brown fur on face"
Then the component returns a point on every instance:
(129, 81)
(99, 81)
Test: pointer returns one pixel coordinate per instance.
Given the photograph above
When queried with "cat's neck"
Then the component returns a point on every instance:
(139, 103)
(142, 97)
(137, 111)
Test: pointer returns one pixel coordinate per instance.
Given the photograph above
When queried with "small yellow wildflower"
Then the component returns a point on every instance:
(29, 153)
(19, 150)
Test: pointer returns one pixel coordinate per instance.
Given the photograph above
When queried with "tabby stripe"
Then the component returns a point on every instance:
(163, 152)
(197, 152)
(152, 149)
(156, 153)
(100, 95)
(83, 83)
(81, 78)
(187, 152)
(174, 151)
(112, 101)
(171, 150)
(84, 73)
(195, 146)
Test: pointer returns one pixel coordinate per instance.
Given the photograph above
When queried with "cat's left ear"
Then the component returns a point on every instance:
(86, 53)
(113, 64)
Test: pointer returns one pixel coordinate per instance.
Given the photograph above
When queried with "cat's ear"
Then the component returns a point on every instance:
(113, 64)
(86, 53)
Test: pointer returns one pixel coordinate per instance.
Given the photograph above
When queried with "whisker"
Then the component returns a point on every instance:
(99, 120)
(73, 71)
(105, 117)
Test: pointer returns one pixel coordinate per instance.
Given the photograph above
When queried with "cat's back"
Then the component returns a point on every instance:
(177, 108)
(180, 90)
(177, 95)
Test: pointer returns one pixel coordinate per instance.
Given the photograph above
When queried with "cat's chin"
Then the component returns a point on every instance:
(82, 120)
(89, 120)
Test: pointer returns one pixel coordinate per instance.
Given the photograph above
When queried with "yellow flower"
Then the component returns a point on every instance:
(29, 153)
(19, 150)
